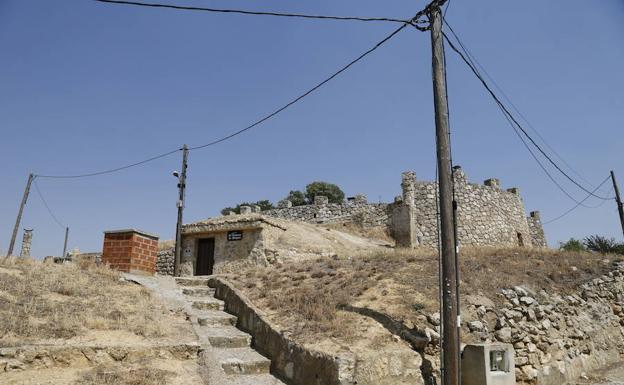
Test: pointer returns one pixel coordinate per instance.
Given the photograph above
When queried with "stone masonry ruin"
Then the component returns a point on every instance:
(487, 214)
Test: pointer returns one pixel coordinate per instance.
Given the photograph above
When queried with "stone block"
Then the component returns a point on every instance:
(244, 210)
(492, 182)
(321, 200)
(488, 364)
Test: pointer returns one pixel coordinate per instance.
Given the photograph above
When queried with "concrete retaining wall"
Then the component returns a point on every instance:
(289, 360)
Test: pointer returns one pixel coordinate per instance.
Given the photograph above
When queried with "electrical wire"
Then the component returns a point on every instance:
(476, 63)
(256, 13)
(498, 101)
(526, 145)
(46, 205)
(300, 97)
(111, 170)
(578, 204)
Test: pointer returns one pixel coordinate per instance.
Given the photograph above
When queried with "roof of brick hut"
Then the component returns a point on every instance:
(231, 222)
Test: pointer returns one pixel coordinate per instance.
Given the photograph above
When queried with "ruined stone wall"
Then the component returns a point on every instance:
(537, 230)
(366, 214)
(487, 215)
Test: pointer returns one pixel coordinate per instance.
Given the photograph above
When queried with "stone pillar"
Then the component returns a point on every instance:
(404, 215)
(408, 181)
(244, 210)
(255, 209)
(26, 243)
(360, 199)
(320, 200)
(459, 177)
(284, 204)
(538, 237)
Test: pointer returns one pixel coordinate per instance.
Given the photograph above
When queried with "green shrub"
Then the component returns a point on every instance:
(572, 245)
(601, 244)
(296, 197)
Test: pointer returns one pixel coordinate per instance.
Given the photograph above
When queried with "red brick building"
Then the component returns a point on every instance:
(130, 251)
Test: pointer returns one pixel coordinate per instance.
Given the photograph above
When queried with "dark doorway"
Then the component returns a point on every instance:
(205, 256)
(520, 240)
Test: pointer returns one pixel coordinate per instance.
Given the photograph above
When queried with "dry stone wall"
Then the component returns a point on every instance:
(556, 337)
(366, 214)
(486, 214)
(165, 261)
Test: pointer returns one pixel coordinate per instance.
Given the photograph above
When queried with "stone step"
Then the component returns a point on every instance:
(208, 304)
(215, 318)
(198, 291)
(254, 379)
(191, 281)
(224, 337)
(243, 361)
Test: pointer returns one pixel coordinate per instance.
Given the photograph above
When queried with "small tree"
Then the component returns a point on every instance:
(333, 193)
(296, 197)
(572, 245)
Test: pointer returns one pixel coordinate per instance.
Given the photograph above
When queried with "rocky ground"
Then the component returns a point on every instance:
(613, 375)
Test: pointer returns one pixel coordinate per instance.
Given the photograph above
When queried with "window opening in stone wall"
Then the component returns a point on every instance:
(520, 240)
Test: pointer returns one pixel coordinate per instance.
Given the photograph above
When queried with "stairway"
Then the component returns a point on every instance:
(228, 357)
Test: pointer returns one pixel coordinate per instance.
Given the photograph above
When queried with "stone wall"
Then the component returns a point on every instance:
(165, 261)
(556, 337)
(358, 211)
(487, 215)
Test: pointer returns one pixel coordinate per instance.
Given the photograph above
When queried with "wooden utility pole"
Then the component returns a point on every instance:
(450, 342)
(31, 177)
(180, 204)
(618, 199)
(65, 244)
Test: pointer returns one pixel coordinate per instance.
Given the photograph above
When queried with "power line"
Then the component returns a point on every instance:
(474, 61)
(300, 97)
(497, 100)
(256, 13)
(111, 170)
(524, 142)
(578, 204)
(46, 205)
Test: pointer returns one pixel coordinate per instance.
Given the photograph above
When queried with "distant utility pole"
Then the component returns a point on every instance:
(450, 342)
(181, 188)
(31, 177)
(65, 244)
(618, 199)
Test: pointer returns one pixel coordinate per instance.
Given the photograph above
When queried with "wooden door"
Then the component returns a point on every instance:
(205, 256)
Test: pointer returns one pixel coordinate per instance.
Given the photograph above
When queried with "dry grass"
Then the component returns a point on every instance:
(303, 298)
(120, 375)
(47, 301)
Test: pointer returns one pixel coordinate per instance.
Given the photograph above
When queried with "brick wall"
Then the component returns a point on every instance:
(130, 251)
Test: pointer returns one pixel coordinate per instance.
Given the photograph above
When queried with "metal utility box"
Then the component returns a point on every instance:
(488, 364)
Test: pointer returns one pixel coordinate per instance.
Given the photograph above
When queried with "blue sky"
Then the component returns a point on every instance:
(86, 86)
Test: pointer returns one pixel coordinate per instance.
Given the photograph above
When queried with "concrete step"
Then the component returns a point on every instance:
(243, 361)
(191, 281)
(208, 304)
(224, 337)
(198, 291)
(254, 379)
(215, 318)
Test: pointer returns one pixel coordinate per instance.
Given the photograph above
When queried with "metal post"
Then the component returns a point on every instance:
(65, 244)
(180, 204)
(31, 177)
(618, 199)
(445, 181)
